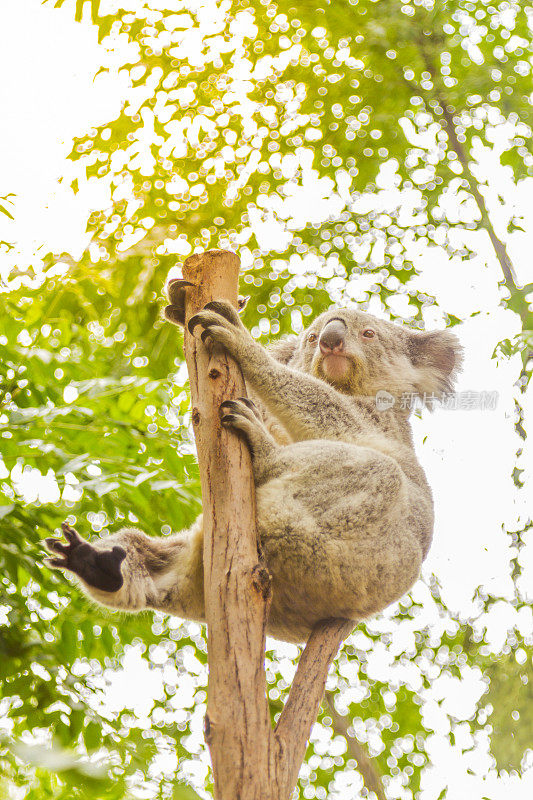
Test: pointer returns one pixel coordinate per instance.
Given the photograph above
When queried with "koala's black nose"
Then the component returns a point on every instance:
(332, 337)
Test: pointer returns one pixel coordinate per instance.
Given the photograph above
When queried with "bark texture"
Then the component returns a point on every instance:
(237, 723)
(250, 760)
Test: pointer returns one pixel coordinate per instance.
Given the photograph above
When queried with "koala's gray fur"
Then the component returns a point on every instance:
(344, 511)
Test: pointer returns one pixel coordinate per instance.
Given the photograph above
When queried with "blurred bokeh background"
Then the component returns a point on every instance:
(376, 153)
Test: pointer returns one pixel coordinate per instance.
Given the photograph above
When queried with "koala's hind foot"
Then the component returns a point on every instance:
(99, 569)
(244, 416)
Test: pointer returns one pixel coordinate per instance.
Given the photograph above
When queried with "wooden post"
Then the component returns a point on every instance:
(237, 586)
(250, 760)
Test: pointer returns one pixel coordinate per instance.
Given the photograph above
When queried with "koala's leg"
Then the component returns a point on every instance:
(307, 406)
(243, 415)
(131, 571)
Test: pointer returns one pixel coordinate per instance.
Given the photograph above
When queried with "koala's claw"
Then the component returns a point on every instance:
(175, 312)
(217, 312)
(71, 534)
(207, 319)
(234, 405)
(225, 310)
(242, 415)
(193, 322)
(239, 410)
(251, 405)
(229, 405)
(56, 546)
(100, 569)
(177, 284)
(204, 335)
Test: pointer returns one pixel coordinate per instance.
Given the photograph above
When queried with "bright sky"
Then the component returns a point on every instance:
(49, 97)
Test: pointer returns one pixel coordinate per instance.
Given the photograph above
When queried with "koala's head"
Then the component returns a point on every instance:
(361, 355)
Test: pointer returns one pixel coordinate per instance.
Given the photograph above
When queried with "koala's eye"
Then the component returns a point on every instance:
(368, 333)
(312, 338)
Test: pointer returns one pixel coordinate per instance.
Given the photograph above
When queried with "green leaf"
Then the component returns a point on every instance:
(69, 640)
(108, 641)
(92, 735)
(3, 210)
(511, 696)
(181, 791)
(95, 7)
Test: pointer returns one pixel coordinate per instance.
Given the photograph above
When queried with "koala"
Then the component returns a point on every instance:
(344, 510)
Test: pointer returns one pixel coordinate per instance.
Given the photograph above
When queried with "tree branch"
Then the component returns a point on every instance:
(366, 765)
(307, 691)
(449, 126)
(499, 246)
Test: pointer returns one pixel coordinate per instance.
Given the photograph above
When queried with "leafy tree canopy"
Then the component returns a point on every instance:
(236, 112)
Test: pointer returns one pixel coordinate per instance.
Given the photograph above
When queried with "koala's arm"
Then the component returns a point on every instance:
(131, 571)
(308, 407)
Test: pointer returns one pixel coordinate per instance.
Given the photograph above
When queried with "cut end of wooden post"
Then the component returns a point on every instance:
(209, 254)
(215, 271)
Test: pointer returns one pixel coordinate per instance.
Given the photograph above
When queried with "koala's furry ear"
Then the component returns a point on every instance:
(283, 350)
(437, 357)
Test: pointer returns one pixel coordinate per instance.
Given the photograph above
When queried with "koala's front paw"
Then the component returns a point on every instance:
(175, 312)
(100, 569)
(242, 415)
(220, 322)
(231, 410)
